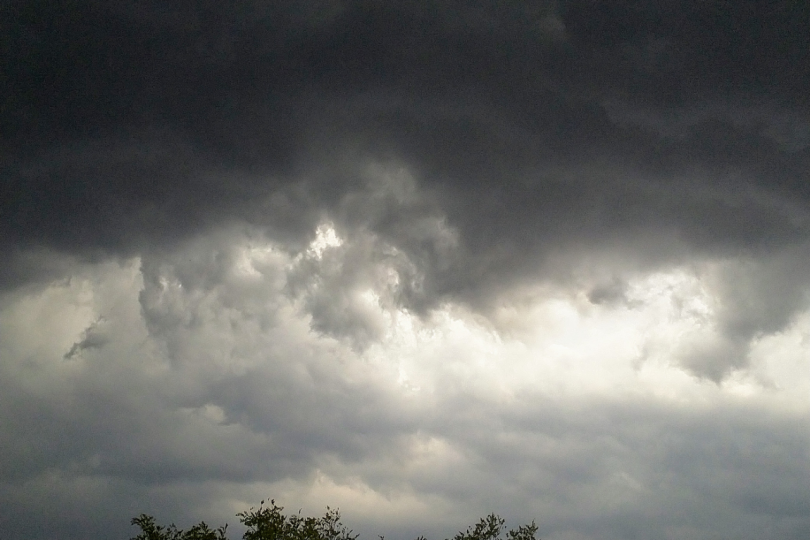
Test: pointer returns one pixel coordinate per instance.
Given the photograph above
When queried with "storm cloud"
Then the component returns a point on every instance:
(417, 260)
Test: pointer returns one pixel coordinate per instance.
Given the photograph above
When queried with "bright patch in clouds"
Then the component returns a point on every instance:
(325, 237)
(560, 344)
(566, 345)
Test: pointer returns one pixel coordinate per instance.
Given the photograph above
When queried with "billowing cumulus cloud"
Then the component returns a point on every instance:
(420, 261)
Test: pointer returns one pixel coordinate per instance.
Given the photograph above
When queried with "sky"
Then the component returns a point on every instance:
(419, 260)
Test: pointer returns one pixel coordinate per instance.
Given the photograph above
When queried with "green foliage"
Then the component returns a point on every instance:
(270, 523)
(490, 527)
(523, 532)
(151, 531)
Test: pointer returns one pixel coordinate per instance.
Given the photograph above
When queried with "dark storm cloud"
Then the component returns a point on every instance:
(535, 134)
(461, 153)
(134, 122)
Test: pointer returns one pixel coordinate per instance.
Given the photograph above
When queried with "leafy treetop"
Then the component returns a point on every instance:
(270, 523)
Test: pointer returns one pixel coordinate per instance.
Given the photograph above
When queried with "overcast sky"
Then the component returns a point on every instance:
(418, 260)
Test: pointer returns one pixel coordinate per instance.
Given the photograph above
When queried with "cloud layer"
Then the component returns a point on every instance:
(420, 261)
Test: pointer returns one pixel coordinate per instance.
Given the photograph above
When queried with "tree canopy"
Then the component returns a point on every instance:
(268, 522)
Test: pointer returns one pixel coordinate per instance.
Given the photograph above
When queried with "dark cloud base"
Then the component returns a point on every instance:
(138, 122)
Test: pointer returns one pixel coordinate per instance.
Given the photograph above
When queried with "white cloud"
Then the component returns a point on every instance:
(207, 368)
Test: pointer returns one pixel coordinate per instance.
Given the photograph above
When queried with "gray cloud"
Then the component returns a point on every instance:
(212, 375)
(326, 248)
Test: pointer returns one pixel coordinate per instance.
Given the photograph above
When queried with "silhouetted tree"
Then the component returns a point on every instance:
(152, 531)
(270, 523)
